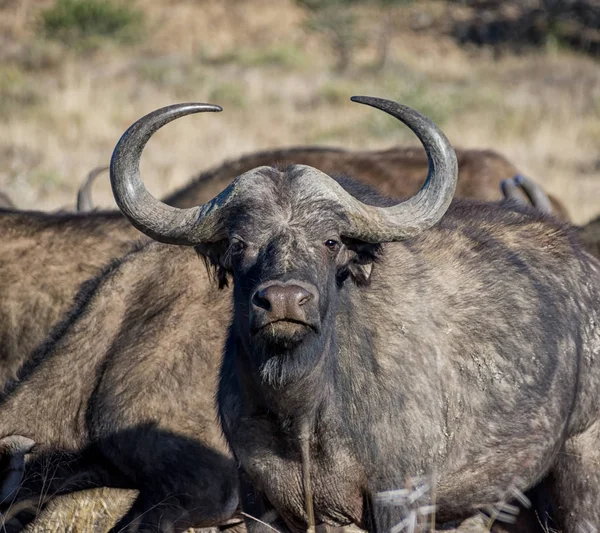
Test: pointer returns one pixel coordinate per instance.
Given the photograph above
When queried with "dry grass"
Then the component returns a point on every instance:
(62, 110)
(88, 511)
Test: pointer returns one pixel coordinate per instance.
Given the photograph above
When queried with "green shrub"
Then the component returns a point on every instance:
(229, 94)
(77, 21)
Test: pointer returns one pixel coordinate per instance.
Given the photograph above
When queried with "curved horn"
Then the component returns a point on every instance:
(510, 190)
(534, 192)
(84, 194)
(156, 219)
(411, 216)
(427, 207)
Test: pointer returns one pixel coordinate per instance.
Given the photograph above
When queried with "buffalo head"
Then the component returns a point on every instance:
(290, 239)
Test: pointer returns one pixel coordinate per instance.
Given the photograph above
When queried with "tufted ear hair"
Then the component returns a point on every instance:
(216, 260)
(361, 260)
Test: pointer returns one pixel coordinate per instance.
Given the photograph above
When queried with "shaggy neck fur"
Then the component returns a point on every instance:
(295, 384)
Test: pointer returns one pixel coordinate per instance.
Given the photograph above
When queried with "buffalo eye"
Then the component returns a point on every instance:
(236, 246)
(332, 244)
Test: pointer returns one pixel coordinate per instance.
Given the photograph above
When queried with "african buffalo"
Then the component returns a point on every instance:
(45, 257)
(373, 341)
(126, 386)
(588, 233)
(110, 400)
(90, 329)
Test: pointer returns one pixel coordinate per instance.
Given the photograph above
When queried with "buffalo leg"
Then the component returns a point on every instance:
(173, 513)
(259, 515)
(181, 482)
(575, 482)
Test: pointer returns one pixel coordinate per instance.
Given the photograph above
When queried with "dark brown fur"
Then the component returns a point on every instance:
(396, 172)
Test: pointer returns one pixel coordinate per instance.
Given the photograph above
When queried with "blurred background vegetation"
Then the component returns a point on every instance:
(521, 77)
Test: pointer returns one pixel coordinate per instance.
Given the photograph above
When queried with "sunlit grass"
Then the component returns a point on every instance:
(276, 84)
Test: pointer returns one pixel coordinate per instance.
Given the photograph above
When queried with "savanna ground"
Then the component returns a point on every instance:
(65, 102)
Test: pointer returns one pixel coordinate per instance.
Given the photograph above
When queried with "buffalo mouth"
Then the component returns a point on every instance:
(287, 328)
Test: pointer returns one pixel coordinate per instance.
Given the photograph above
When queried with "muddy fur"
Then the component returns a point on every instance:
(126, 385)
(43, 260)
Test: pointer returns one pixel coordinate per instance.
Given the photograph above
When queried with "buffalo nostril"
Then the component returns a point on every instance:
(303, 296)
(260, 299)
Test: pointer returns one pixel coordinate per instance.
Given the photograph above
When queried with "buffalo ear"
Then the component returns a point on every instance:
(215, 257)
(364, 255)
(361, 274)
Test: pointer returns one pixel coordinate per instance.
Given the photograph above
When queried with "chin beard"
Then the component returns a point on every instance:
(285, 352)
(281, 367)
(281, 370)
